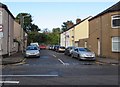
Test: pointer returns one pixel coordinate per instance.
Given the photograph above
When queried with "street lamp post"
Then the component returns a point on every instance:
(22, 33)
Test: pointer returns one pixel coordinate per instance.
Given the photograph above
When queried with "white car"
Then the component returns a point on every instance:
(83, 54)
(32, 51)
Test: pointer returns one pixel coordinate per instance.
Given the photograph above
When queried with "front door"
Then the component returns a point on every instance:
(98, 47)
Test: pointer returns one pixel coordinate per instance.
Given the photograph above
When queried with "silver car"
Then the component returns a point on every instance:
(32, 51)
(83, 53)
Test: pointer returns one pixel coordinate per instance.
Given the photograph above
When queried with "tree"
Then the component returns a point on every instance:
(46, 31)
(25, 20)
(66, 25)
(56, 30)
(34, 28)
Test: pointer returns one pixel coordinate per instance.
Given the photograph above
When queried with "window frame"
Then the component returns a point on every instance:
(112, 18)
(113, 49)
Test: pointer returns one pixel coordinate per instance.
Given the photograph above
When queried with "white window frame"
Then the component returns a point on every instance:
(116, 40)
(1, 17)
(112, 18)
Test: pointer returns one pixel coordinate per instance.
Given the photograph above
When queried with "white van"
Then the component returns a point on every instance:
(35, 43)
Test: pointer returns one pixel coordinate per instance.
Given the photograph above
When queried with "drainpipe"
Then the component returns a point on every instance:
(65, 39)
(100, 36)
(8, 36)
(74, 36)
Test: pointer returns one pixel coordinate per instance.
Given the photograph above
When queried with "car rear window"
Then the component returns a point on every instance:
(62, 47)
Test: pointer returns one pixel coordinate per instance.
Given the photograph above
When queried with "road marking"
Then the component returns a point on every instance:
(29, 75)
(19, 63)
(63, 62)
(54, 55)
(24, 60)
(9, 82)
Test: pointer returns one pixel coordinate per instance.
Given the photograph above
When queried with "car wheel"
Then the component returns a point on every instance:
(79, 57)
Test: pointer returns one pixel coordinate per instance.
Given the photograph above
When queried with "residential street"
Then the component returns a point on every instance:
(54, 68)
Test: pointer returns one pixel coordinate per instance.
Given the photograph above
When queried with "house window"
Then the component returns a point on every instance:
(115, 44)
(116, 21)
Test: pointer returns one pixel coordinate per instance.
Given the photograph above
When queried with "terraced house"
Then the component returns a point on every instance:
(101, 33)
(81, 32)
(10, 32)
(104, 32)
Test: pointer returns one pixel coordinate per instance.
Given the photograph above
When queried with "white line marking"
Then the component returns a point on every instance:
(54, 55)
(9, 82)
(29, 75)
(61, 61)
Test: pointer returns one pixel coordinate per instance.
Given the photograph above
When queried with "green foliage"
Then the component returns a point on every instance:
(66, 25)
(25, 20)
(56, 30)
(44, 38)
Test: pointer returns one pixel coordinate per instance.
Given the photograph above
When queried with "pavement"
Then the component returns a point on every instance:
(18, 57)
(13, 59)
(107, 60)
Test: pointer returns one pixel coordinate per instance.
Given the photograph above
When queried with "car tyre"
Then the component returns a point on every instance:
(79, 57)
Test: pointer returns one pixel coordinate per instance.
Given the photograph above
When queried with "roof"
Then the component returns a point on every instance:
(80, 22)
(77, 23)
(115, 7)
(5, 7)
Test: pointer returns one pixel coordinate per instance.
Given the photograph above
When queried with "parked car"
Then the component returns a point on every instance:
(83, 53)
(35, 46)
(32, 51)
(69, 50)
(50, 47)
(55, 47)
(60, 49)
(35, 43)
(42, 47)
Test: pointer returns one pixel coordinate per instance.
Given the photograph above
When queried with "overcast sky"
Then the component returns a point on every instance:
(53, 14)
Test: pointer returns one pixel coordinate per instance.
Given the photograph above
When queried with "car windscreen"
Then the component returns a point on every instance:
(31, 48)
(84, 49)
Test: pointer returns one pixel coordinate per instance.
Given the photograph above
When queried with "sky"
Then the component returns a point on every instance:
(52, 14)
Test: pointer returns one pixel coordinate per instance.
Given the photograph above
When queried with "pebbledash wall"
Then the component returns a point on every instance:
(7, 32)
(104, 33)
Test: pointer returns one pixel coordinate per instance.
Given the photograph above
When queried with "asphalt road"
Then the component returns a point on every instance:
(54, 68)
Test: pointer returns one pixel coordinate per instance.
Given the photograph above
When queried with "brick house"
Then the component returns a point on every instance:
(104, 32)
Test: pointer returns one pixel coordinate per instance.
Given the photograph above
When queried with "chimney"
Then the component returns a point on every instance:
(78, 20)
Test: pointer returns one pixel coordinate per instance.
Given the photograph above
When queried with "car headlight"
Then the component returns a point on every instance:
(82, 55)
(37, 52)
(93, 54)
(27, 53)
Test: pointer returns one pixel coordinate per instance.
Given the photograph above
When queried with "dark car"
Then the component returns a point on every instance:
(69, 50)
(55, 47)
